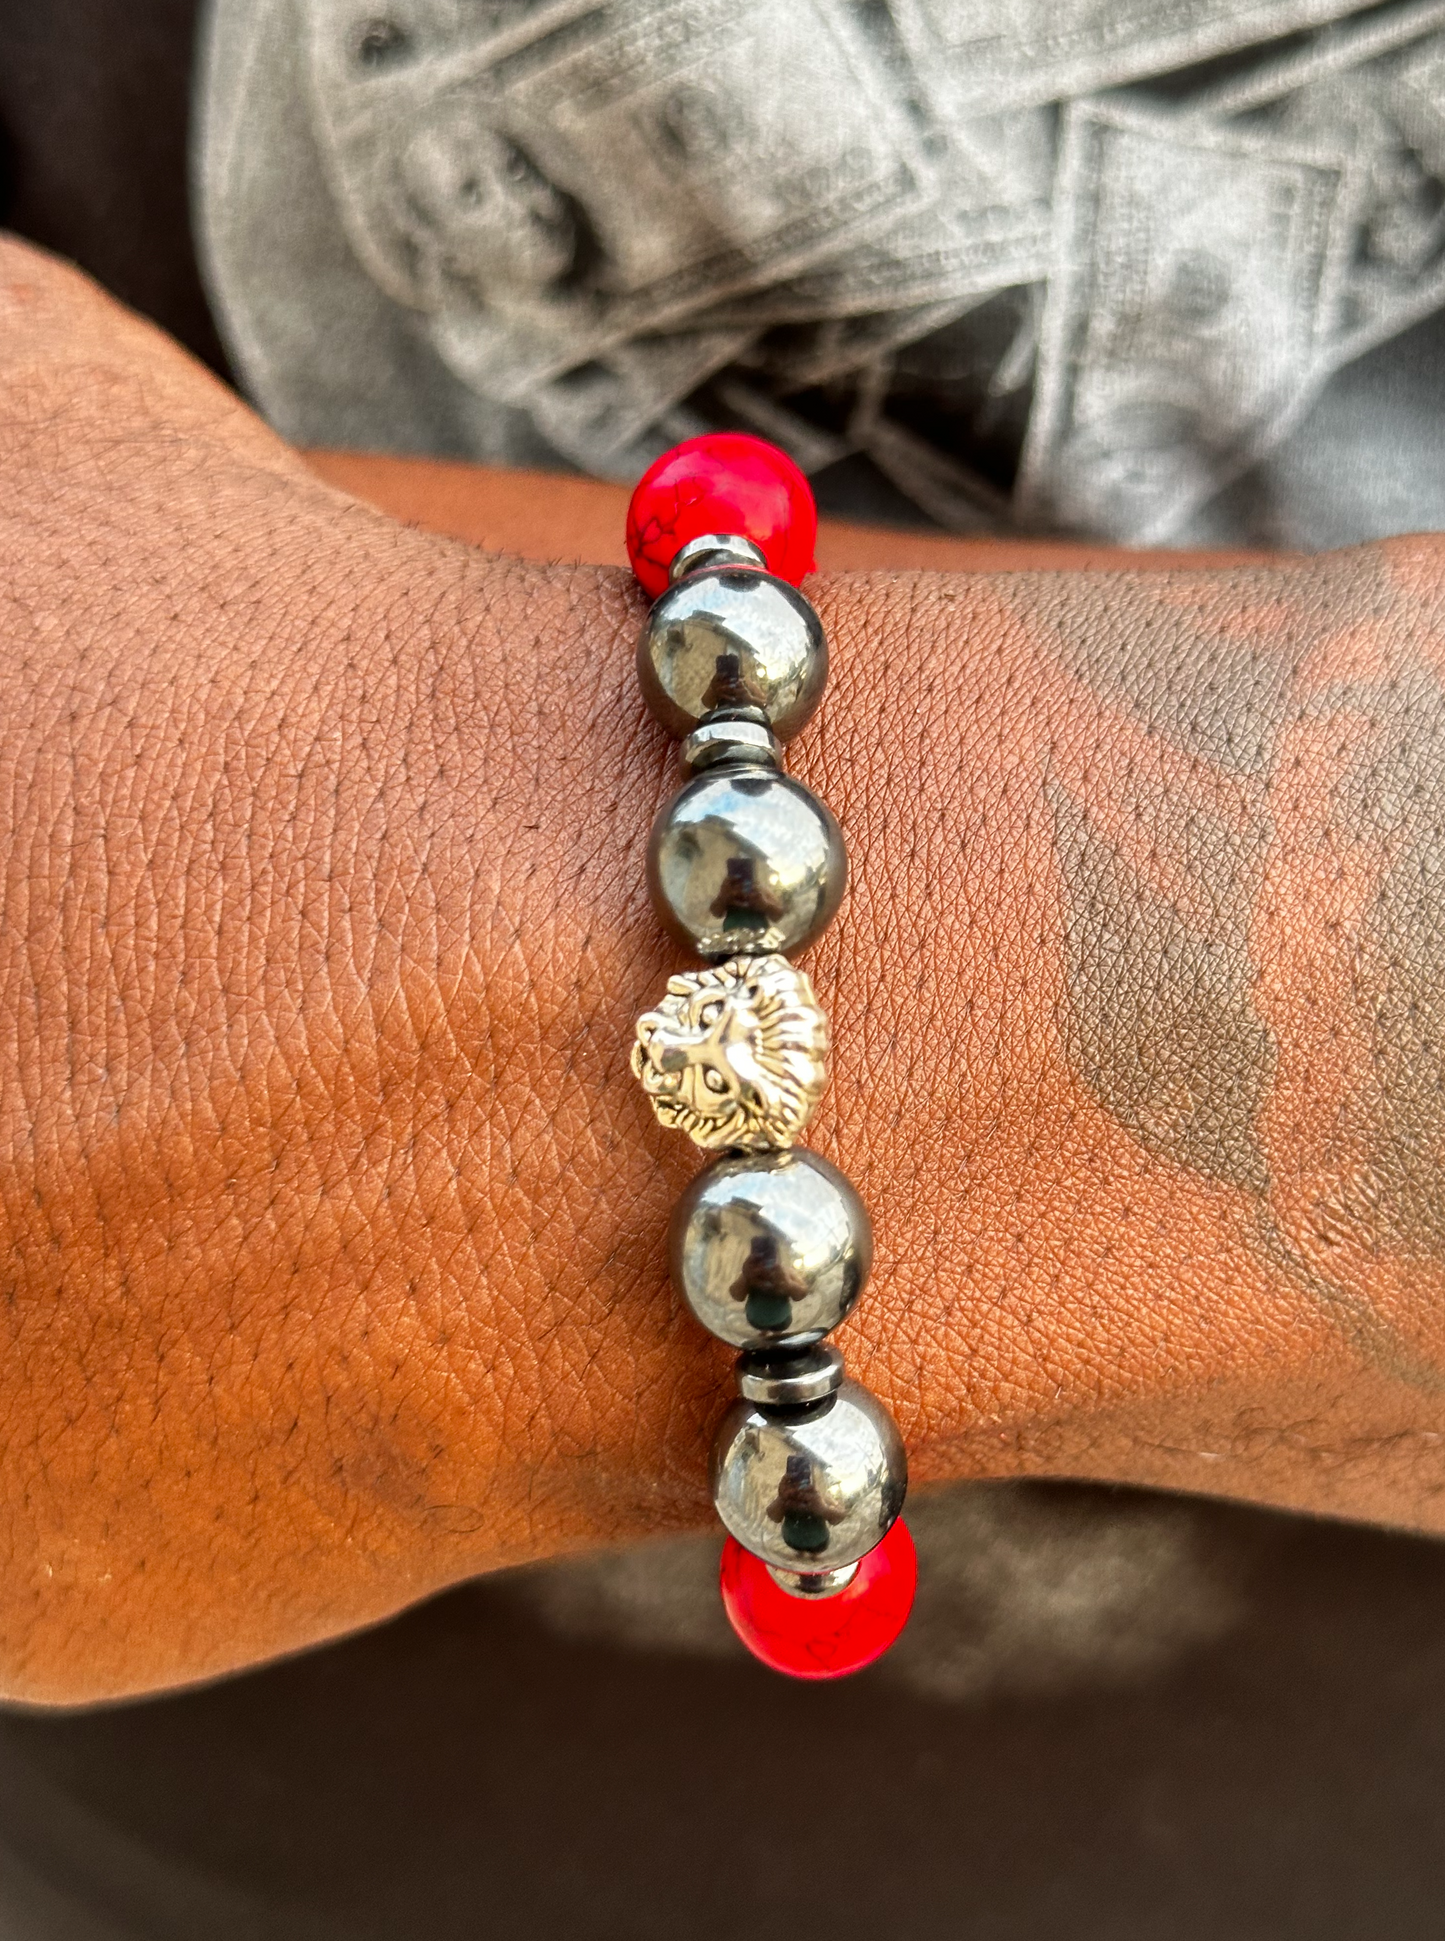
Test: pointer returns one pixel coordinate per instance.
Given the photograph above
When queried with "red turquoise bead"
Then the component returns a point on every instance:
(724, 481)
(822, 1637)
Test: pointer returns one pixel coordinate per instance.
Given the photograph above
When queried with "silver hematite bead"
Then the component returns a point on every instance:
(788, 1378)
(734, 638)
(810, 1488)
(715, 549)
(729, 738)
(770, 1251)
(744, 860)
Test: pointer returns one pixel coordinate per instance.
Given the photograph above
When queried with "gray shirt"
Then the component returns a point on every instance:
(1159, 271)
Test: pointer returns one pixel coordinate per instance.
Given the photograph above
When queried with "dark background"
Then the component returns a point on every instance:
(94, 107)
(462, 1773)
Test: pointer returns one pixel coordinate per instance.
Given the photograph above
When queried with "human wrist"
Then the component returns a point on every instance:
(333, 1209)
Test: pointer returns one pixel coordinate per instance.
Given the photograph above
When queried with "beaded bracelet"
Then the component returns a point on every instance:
(770, 1245)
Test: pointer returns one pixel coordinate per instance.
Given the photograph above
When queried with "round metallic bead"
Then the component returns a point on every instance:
(791, 1378)
(715, 549)
(813, 1583)
(810, 1489)
(770, 1250)
(731, 738)
(745, 860)
(735, 638)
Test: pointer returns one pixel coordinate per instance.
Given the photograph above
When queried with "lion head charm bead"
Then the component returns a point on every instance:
(735, 1056)
(769, 1245)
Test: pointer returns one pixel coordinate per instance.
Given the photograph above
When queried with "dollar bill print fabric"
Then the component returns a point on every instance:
(1161, 271)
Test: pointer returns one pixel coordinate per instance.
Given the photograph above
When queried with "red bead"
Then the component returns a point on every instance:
(724, 481)
(822, 1637)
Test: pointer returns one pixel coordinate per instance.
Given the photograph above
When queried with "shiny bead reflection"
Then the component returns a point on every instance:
(712, 549)
(727, 637)
(810, 1488)
(770, 1251)
(789, 1377)
(745, 859)
(726, 738)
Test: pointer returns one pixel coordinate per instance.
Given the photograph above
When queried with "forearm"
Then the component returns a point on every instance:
(284, 953)
(333, 1217)
(1139, 996)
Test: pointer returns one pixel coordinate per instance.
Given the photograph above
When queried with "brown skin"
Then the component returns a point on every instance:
(332, 1217)
(550, 517)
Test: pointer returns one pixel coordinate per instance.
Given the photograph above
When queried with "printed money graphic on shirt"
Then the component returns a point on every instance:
(588, 174)
(1376, 95)
(986, 226)
(1213, 270)
(1197, 272)
(1391, 129)
(605, 405)
(584, 228)
(983, 55)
